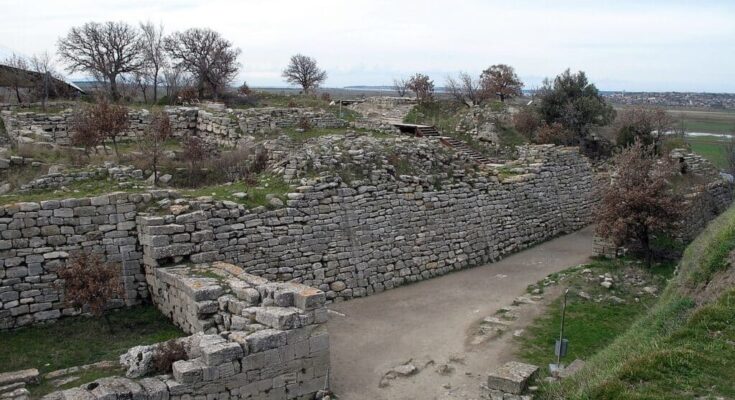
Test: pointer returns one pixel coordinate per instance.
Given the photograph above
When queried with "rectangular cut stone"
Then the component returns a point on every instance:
(278, 317)
(221, 353)
(513, 377)
(266, 339)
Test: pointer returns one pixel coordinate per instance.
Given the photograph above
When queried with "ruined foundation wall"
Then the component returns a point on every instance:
(278, 349)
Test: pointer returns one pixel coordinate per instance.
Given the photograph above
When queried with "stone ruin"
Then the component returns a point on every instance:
(252, 339)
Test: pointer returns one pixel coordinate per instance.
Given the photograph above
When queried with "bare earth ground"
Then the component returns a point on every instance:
(431, 323)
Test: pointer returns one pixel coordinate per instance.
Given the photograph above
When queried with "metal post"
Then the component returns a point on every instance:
(561, 330)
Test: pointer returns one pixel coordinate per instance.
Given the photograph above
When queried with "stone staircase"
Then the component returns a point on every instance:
(427, 131)
(462, 147)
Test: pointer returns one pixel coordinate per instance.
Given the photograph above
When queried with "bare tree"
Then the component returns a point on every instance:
(422, 86)
(43, 65)
(465, 89)
(175, 79)
(106, 50)
(17, 74)
(154, 138)
(154, 53)
(639, 202)
(206, 55)
(400, 85)
(303, 71)
(501, 80)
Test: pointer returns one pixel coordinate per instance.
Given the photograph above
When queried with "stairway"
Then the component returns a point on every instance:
(462, 147)
(427, 131)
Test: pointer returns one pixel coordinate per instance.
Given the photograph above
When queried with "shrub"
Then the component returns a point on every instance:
(88, 282)
(153, 141)
(260, 163)
(326, 97)
(554, 133)
(526, 121)
(304, 124)
(166, 354)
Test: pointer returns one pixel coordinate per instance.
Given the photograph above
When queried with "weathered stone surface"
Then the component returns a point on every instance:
(138, 361)
(513, 377)
(26, 376)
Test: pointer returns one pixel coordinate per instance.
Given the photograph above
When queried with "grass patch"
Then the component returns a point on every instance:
(591, 323)
(678, 349)
(79, 189)
(711, 148)
(256, 192)
(81, 340)
(714, 256)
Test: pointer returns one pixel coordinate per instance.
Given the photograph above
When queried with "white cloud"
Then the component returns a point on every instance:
(625, 44)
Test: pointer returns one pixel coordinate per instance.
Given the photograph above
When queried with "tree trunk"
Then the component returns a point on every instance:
(646, 246)
(113, 88)
(114, 145)
(17, 94)
(155, 86)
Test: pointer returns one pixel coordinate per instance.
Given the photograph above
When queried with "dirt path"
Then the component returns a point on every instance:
(429, 323)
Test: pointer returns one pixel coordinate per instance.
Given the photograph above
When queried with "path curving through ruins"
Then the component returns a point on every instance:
(428, 323)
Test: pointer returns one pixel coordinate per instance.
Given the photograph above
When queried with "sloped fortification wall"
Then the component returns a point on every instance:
(352, 241)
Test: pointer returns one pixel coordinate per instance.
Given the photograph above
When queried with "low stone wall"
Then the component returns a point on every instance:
(355, 240)
(228, 127)
(37, 237)
(25, 127)
(278, 349)
(65, 178)
(215, 126)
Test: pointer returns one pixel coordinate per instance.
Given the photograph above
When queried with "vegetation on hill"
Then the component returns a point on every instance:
(684, 346)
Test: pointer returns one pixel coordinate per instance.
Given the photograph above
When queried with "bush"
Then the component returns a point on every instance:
(326, 97)
(89, 282)
(304, 124)
(166, 354)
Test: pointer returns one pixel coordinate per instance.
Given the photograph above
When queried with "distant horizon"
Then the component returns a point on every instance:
(389, 87)
(627, 45)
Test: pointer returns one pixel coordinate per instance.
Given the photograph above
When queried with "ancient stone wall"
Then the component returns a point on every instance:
(352, 241)
(349, 240)
(227, 127)
(24, 127)
(36, 238)
(277, 346)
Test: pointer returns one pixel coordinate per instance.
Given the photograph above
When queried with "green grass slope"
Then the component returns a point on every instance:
(684, 346)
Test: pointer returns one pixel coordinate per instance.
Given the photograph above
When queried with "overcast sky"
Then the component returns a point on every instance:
(622, 45)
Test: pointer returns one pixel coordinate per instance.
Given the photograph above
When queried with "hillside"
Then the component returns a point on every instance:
(684, 346)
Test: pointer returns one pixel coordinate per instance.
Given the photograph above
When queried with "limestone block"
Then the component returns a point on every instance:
(188, 371)
(513, 377)
(266, 339)
(220, 353)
